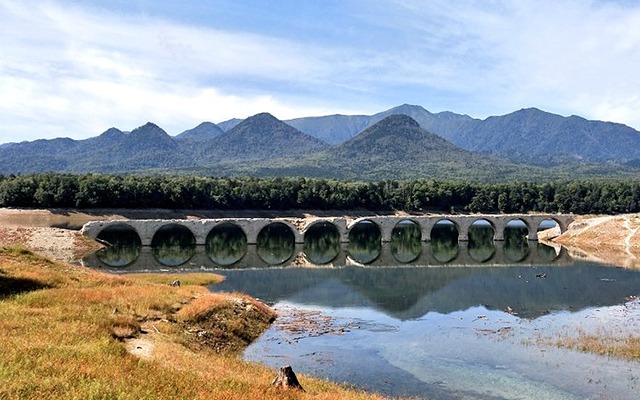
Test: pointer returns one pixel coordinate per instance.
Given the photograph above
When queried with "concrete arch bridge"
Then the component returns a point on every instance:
(251, 227)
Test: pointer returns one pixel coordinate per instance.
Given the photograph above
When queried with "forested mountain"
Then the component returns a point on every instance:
(145, 148)
(528, 136)
(406, 142)
(534, 136)
(261, 137)
(398, 147)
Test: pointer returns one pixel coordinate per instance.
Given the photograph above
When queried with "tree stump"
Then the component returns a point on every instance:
(287, 379)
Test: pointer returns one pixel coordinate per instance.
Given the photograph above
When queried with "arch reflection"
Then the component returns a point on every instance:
(226, 244)
(444, 241)
(406, 241)
(322, 242)
(275, 243)
(125, 245)
(481, 244)
(365, 242)
(173, 245)
(516, 242)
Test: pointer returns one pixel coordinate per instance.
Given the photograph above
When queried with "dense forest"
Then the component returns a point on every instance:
(190, 192)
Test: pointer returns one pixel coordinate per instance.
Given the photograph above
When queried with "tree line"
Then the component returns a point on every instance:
(53, 190)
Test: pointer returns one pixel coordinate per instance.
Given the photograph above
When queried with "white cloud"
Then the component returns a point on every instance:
(71, 70)
(76, 73)
(568, 56)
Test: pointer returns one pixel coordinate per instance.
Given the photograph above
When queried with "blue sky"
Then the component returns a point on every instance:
(76, 68)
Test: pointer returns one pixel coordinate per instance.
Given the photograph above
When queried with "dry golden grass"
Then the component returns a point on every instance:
(185, 279)
(62, 331)
(602, 342)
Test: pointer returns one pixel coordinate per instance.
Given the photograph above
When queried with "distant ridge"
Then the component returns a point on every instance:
(398, 147)
(529, 136)
(227, 125)
(404, 142)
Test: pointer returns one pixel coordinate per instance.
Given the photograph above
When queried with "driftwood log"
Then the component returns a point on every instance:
(287, 379)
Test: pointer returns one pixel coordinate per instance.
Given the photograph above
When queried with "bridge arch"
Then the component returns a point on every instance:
(517, 232)
(276, 243)
(124, 245)
(481, 247)
(444, 238)
(406, 241)
(108, 233)
(365, 241)
(445, 223)
(167, 239)
(226, 243)
(146, 229)
(321, 242)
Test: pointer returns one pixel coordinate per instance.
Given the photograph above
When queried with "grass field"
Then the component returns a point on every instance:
(67, 332)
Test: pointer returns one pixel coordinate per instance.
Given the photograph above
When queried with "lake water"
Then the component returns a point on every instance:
(436, 320)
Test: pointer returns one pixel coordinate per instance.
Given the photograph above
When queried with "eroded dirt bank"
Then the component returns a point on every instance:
(608, 239)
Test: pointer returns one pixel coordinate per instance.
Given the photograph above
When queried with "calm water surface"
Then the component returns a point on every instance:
(436, 320)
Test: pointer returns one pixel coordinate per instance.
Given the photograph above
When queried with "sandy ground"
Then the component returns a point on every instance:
(55, 243)
(611, 240)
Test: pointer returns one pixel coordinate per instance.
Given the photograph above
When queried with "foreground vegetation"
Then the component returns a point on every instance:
(64, 331)
(609, 344)
(191, 192)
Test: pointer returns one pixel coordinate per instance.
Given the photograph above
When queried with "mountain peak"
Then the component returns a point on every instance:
(258, 124)
(204, 131)
(262, 118)
(148, 128)
(262, 136)
(111, 133)
(407, 109)
(149, 136)
(395, 135)
(399, 120)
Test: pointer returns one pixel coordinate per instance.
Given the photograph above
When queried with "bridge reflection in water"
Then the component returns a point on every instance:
(174, 249)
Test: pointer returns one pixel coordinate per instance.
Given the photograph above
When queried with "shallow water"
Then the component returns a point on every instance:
(439, 345)
(437, 319)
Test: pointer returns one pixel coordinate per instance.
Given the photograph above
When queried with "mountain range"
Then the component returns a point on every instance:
(405, 142)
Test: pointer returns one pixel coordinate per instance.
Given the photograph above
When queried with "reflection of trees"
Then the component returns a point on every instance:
(173, 245)
(125, 245)
(546, 253)
(119, 255)
(444, 242)
(365, 242)
(412, 292)
(405, 242)
(481, 244)
(322, 243)
(275, 243)
(226, 244)
(516, 245)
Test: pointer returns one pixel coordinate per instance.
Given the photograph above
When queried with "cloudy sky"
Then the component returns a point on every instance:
(75, 68)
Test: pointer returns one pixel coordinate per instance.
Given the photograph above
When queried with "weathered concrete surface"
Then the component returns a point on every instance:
(147, 228)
